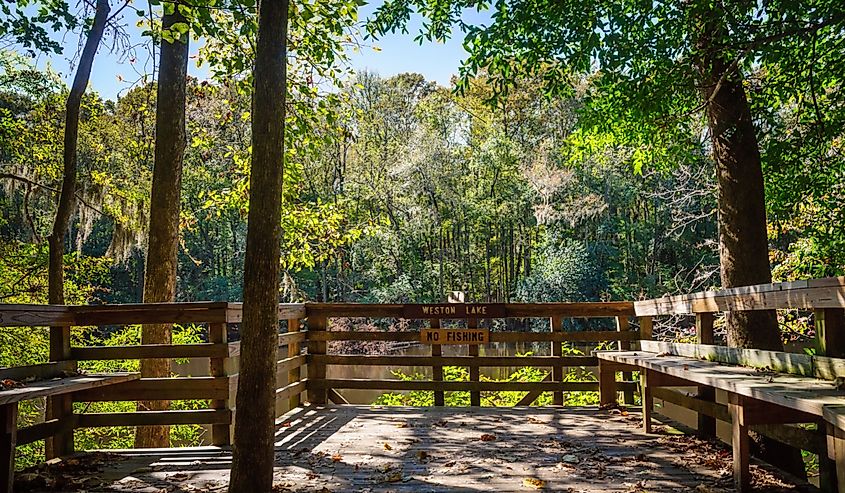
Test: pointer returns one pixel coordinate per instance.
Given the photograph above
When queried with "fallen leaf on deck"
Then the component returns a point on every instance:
(488, 437)
(8, 384)
(393, 477)
(571, 459)
(337, 458)
(534, 483)
(387, 446)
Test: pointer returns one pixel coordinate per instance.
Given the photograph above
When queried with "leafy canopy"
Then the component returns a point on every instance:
(642, 57)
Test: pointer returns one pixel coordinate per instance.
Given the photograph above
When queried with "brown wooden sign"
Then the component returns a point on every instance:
(455, 310)
(455, 336)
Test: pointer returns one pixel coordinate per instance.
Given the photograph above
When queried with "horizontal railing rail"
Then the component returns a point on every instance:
(809, 295)
(502, 310)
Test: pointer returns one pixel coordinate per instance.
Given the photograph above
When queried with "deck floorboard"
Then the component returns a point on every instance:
(388, 449)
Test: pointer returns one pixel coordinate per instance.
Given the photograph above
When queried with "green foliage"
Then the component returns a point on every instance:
(638, 69)
(456, 195)
(124, 437)
(565, 270)
(29, 23)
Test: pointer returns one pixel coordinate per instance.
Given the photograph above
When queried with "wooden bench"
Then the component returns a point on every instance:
(47, 387)
(757, 395)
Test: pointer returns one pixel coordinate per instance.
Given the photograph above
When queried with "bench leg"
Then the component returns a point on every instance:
(8, 441)
(647, 398)
(61, 444)
(827, 463)
(706, 424)
(741, 445)
(836, 452)
(607, 384)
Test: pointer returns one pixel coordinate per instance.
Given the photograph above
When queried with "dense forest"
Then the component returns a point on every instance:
(406, 192)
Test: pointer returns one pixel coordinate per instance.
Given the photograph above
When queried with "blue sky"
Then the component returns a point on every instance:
(398, 53)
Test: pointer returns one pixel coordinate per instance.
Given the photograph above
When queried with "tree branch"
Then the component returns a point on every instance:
(32, 183)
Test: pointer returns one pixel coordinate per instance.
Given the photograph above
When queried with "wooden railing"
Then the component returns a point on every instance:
(303, 356)
(825, 298)
(218, 387)
(322, 389)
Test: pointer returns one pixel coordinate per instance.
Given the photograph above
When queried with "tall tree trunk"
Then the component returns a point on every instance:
(160, 275)
(253, 457)
(743, 242)
(67, 197)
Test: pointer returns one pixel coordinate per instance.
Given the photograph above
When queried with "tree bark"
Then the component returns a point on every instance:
(160, 275)
(253, 453)
(743, 240)
(67, 197)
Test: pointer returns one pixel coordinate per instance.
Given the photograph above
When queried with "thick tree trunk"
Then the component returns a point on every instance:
(160, 275)
(67, 197)
(743, 241)
(253, 454)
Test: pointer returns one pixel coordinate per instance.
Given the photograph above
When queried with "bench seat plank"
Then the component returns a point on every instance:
(63, 385)
(803, 394)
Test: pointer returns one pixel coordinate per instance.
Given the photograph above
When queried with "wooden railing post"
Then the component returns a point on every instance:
(622, 325)
(217, 334)
(8, 434)
(437, 370)
(704, 328)
(60, 407)
(295, 374)
(830, 332)
(316, 370)
(704, 335)
(830, 342)
(474, 370)
(557, 369)
(646, 328)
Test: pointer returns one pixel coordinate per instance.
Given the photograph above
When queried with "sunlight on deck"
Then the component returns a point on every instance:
(360, 448)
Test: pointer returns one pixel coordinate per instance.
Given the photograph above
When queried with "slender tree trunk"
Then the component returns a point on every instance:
(160, 275)
(67, 197)
(253, 457)
(743, 242)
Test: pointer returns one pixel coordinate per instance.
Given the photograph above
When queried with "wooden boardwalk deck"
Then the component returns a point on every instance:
(372, 449)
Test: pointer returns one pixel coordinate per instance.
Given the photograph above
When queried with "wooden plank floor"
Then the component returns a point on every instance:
(370, 449)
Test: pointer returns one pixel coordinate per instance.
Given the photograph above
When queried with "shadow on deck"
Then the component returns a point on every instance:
(369, 449)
